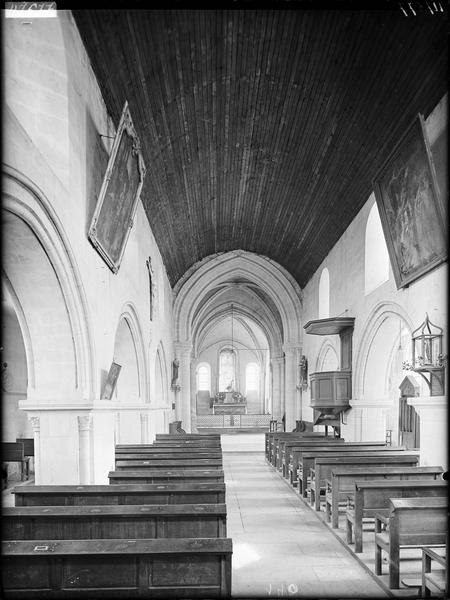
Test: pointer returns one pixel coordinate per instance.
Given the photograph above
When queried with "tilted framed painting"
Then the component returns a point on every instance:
(410, 207)
(117, 202)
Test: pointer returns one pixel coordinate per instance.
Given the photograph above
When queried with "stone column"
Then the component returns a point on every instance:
(84, 436)
(432, 411)
(36, 425)
(144, 428)
(117, 427)
(290, 379)
(183, 352)
(193, 394)
(277, 387)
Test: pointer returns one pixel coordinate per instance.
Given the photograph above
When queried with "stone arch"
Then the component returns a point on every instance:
(327, 354)
(373, 328)
(130, 316)
(211, 272)
(55, 274)
(276, 292)
(161, 375)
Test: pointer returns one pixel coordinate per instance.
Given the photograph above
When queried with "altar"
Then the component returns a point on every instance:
(229, 403)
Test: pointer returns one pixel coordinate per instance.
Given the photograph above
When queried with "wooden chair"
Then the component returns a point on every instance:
(14, 452)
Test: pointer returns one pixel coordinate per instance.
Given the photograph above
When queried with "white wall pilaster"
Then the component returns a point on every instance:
(432, 412)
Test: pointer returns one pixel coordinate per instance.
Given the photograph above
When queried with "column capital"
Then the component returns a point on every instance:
(35, 424)
(277, 360)
(84, 422)
(291, 347)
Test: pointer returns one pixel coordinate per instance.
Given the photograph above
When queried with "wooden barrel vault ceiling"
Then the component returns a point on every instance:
(263, 129)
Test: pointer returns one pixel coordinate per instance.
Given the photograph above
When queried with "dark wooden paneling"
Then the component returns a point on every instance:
(262, 130)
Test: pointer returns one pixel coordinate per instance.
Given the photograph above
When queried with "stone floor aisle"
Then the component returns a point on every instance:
(280, 547)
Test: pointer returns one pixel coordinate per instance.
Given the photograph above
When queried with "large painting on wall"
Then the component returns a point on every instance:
(410, 207)
(119, 194)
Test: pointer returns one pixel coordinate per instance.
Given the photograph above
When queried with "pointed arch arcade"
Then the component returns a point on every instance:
(192, 292)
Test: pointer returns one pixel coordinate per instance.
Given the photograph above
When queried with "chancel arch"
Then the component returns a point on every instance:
(251, 288)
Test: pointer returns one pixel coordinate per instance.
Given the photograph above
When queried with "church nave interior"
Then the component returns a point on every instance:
(224, 301)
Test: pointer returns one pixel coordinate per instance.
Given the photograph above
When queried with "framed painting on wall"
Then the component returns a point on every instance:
(410, 207)
(116, 206)
(111, 381)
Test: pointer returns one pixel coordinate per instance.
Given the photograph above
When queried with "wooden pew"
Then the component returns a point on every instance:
(188, 436)
(170, 476)
(323, 466)
(296, 462)
(179, 463)
(341, 483)
(279, 438)
(114, 522)
(174, 443)
(434, 581)
(159, 568)
(411, 523)
(168, 454)
(190, 444)
(282, 461)
(211, 452)
(372, 497)
(28, 445)
(152, 493)
(275, 436)
(14, 452)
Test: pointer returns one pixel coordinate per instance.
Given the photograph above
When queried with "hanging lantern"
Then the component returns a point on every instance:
(427, 346)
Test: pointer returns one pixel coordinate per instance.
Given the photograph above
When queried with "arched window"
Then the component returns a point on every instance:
(376, 268)
(324, 294)
(251, 377)
(204, 377)
(227, 370)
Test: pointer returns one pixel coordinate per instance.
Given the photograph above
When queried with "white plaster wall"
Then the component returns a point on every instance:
(345, 263)
(53, 115)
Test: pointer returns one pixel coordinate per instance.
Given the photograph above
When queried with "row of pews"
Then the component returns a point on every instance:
(158, 529)
(370, 481)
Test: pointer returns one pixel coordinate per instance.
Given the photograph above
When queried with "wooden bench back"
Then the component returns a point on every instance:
(12, 451)
(168, 455)
(419, 521)
(344, 479)
(161, 493)
(377, 494)
(114, 522)
(160, 476)
(170, 449)
(28, 445)
(128, 568)
(187, 436)
(180, 463)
